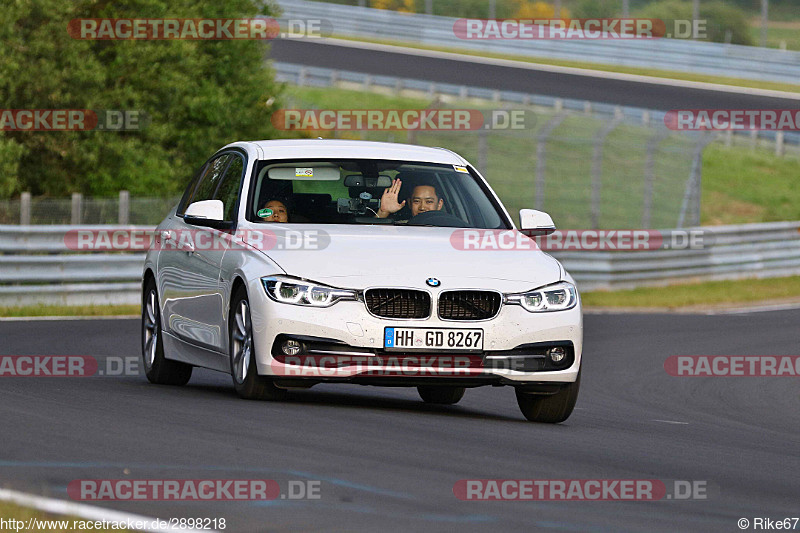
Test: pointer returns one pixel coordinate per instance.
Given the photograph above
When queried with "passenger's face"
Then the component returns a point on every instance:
(423, 198)
(279, 213)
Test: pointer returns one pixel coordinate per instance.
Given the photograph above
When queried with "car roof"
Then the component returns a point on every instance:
(346, 149)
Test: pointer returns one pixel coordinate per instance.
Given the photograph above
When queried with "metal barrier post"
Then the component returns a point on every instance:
(25, 209)
(124, 208)
(541, 155)
(690, 207)
(483, 150)
(597, 168)
(779, 143)
(77, 201)
(650, 175)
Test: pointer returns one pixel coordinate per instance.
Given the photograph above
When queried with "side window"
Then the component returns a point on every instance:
(187, 195)
(211, 180)
(228, 190)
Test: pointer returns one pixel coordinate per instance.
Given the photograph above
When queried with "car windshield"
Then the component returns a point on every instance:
(352, 192)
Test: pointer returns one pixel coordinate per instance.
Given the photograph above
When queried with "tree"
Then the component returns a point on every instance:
(197, 96)
(721, 18)
(597, 9)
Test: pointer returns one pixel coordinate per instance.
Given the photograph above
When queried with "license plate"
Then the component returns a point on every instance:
(432, 338)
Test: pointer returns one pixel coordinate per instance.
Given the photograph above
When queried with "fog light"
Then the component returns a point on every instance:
(557, 354)
(291, 347)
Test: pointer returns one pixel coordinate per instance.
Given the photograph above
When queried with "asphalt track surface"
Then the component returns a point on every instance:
(597, 89)
(387, 462)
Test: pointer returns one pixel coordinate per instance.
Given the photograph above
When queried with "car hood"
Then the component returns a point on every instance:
(373, 255)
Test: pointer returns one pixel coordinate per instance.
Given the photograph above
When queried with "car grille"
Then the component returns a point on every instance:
(468, 305)
(398, 303)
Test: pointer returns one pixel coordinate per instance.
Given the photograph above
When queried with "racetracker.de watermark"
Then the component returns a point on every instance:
(578, 490)
(733, 119)
(578, 29)
(590, 240)
(69, 366)
(402, 119)
(193, 29)
(321, 366)
(138, 240)
(733, 365)
(191, 490)
(71, 120)
(47, 366)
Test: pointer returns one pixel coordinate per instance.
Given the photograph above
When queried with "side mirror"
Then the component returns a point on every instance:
(205, 213)
(533, 222)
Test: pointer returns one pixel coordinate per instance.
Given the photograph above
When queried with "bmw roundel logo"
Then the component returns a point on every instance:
(433, 282)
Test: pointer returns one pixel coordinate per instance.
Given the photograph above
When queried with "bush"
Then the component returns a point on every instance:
(721, 18)
(596, 9)
(197, 96)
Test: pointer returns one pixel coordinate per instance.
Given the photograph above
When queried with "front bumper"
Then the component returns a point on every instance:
(515, 342)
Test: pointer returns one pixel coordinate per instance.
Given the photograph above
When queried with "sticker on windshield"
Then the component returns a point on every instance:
(461, 169)
(303, 172)
(265, 213)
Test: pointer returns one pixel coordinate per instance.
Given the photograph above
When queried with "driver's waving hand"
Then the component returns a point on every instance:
(423, 198)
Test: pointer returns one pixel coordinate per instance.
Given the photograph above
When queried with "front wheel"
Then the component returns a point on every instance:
(441, 395)
(248, 384)
(158, 368)
(552, 408)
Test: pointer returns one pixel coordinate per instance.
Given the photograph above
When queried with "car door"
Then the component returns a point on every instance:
(190, 260)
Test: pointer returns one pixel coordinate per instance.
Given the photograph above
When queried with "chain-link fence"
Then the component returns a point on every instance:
(84, 210)
(586, 171)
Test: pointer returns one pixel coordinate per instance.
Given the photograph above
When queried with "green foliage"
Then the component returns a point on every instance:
(197, 96)
(721, 18)
(596, 9)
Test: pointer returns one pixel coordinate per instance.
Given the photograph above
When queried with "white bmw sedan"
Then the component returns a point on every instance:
(297, 262)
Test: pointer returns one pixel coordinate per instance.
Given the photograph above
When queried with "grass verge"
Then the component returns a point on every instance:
(44, 521)
(69, 310)
(698, 294)
(748, 185)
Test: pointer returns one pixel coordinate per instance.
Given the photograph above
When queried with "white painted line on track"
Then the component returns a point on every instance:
(671, 422)
(755, 309)
(563, 70)
(81, 510)
(730, 309)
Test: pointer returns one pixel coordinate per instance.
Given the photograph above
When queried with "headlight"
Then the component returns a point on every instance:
(557, 297)
(297, 292)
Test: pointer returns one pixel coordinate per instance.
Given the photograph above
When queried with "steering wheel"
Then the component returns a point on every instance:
(437, 218)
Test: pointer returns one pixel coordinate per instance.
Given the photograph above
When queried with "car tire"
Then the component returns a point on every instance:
(248, 384)
(441, 395)
(157, 368)
(551, 409)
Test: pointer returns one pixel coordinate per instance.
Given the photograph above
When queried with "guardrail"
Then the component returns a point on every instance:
(663, 54)
(36, 266)
(735, 252)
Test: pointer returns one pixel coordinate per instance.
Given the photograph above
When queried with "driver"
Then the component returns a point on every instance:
(424, 197)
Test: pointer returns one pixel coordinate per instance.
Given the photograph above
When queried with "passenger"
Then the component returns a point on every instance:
(274, 211)
(423, 198)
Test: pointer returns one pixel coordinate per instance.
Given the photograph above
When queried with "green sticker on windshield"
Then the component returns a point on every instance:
(265, 213)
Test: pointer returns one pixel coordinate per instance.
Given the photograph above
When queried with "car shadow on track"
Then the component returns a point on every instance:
(359, 400)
